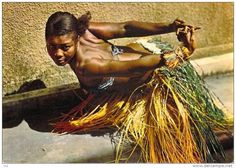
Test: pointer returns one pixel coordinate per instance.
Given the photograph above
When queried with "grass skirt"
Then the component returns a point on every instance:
(170, 119)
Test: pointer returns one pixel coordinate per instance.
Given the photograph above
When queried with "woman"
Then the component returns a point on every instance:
(129, 88)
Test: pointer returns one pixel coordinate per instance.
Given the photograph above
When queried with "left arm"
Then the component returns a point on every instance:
(105, 30)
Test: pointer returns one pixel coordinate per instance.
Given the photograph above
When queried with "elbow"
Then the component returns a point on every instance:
(119, 30)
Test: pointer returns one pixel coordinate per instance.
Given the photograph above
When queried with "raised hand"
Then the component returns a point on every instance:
(186, 36)
(177, 23)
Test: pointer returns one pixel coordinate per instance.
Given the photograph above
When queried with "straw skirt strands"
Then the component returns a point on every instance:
(171, 118)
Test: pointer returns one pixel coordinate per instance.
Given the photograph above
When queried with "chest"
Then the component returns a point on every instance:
(85, 80)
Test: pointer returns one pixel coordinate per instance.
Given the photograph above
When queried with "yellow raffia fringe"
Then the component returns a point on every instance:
(152, 116)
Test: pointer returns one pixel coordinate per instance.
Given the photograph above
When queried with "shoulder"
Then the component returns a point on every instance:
(90, 37)
(107, 30)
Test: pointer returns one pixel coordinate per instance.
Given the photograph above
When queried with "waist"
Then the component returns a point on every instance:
(119, 83)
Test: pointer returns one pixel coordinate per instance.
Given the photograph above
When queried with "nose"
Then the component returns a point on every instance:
(58, 53)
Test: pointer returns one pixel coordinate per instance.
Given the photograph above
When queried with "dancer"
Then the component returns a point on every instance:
(156, 100)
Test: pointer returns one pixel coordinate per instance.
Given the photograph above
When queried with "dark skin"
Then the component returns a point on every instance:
(90, 56)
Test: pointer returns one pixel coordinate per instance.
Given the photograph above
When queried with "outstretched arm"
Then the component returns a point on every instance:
(108, 31)
(103, 67)
(100, 67)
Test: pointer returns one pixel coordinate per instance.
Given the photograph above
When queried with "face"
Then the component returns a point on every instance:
(62, 48)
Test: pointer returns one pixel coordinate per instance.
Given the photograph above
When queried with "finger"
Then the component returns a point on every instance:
(190, 26)
(197, 28)
(192, 34)
(186, 29)
(177, 32)
(192, 30)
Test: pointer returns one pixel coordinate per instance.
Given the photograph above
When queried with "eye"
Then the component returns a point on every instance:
(51, 47)
(65, 48)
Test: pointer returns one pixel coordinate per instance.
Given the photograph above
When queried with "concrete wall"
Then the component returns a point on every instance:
(24, 53)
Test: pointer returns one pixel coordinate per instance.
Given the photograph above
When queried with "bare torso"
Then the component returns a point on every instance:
(92, 47)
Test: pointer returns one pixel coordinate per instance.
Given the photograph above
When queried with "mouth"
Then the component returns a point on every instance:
(62, 61)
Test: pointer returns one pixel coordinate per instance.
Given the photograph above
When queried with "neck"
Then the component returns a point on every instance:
(72, 61)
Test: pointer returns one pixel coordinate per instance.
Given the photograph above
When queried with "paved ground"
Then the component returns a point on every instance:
(23, 144)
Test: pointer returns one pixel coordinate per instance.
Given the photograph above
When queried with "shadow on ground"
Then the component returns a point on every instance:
(41, 112)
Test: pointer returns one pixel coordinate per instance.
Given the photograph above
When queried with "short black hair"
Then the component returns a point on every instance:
(61, 23)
